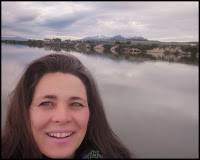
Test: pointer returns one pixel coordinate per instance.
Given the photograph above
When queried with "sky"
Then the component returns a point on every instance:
(166, 21)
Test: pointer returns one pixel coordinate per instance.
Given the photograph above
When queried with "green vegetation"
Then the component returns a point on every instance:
(107, 48)
(117, 42)
(14, 42)
(128, 42)
(145, 47)
(35, 43)
(192, 49)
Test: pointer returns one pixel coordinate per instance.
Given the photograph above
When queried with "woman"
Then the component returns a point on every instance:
(56, 112)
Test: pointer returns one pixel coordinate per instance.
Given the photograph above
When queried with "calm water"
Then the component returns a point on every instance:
(152, 106)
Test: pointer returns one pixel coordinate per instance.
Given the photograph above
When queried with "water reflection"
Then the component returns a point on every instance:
(152, 106)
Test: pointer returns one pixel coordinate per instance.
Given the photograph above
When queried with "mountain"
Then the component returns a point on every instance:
(117, 37)
(14, 38)
(106, 38)
(96, 38)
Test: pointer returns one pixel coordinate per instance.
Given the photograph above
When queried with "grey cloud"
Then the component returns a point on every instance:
(59, 23)
(19, 15)
(26, 18)
(24, 29)
(109, 18)
(65, 20)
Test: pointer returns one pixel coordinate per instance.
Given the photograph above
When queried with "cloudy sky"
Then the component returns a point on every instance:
(163, 21)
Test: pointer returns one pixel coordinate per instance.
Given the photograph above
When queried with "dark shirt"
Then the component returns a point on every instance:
(87, 150)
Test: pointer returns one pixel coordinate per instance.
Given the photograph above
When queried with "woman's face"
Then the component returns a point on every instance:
(59, 114)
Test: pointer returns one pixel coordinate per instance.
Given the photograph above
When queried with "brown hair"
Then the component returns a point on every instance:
(17, 138)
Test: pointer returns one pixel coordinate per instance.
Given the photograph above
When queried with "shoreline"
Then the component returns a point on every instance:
(172, 53)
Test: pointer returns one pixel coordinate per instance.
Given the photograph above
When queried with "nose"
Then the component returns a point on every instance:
(62, 114)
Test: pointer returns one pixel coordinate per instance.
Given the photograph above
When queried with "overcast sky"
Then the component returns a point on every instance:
(163, 21)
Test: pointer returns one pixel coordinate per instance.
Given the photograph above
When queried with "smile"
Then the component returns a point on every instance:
(60, 135)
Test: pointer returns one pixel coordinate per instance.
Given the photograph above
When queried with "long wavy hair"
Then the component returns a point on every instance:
(17, 138)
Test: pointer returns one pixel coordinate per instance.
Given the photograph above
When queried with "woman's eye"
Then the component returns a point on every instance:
(76, 104)
(46, 104)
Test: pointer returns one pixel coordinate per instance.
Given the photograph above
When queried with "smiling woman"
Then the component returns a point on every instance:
(59, 120)
(56, 112)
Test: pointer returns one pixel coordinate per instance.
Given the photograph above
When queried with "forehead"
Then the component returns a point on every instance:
(60, 83)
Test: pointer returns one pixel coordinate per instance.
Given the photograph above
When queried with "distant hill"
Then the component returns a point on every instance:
(106, 38)
(14, 38)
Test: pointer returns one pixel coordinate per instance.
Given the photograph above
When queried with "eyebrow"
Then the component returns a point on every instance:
(50, 97)
(77, 98)
(71, 98)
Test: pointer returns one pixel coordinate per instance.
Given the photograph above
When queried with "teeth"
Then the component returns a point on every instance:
(60, 134)
(67, 134)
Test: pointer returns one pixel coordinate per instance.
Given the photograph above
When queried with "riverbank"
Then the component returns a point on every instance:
(178, 52)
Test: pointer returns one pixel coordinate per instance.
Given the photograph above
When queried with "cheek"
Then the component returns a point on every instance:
(83, 118)
(38, 119)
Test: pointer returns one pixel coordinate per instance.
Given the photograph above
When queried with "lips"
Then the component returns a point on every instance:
(60, 136)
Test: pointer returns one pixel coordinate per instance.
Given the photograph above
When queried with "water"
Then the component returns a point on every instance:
(151, 105)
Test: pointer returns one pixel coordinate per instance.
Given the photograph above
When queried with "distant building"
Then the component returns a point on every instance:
(193, 44)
